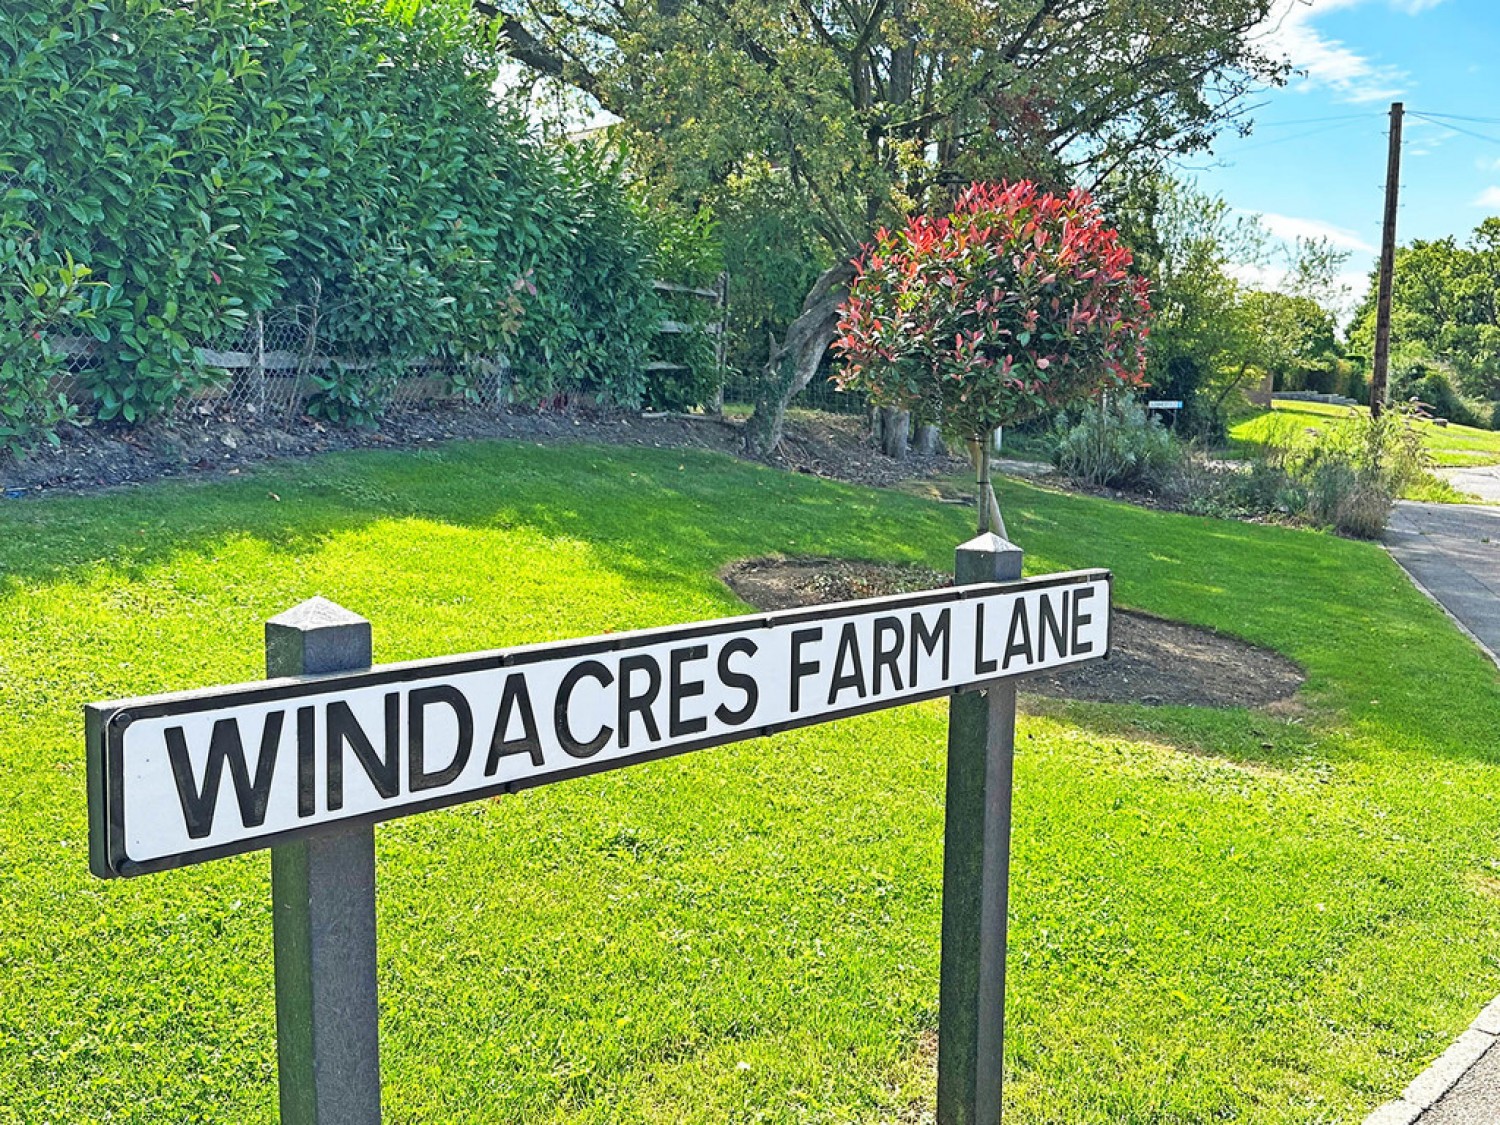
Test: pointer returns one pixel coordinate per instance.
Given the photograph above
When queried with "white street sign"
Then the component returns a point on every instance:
(177, 779)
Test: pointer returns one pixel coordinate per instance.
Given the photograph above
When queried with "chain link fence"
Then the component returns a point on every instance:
(274, 367)
(277, 364)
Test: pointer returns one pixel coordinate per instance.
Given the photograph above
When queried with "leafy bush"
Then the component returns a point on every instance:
(1346, 477)
(1434, 387)
(37, 299)
(590, 330)
(1355, 472)
(1341, 497)
(212, 160)
(1116, 444)
(1227, 490)
(686, 251)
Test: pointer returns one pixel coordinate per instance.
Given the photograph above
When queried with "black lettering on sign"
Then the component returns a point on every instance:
(679, 689)
(848, 665)
(417, 774)
(515, 701)
(890, 635)
(198, 802)
(982, 664)
(343, 728)
(590, 669)
(1052, 626)
(307, 761)
(741, 681)
(1080, 619)
(801, 669)
(633, 703)
(1018, 639)
(925, 641)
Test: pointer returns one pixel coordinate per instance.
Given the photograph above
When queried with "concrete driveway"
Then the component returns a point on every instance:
(1453, 552)
(1482, 481)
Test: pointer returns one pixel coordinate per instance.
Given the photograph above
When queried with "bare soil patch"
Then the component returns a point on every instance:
(1153, 661)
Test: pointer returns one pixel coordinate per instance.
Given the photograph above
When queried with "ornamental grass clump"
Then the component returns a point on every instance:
(1015, 303)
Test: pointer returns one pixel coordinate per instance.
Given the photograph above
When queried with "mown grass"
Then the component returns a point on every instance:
(1450, 445)
(1216, 916)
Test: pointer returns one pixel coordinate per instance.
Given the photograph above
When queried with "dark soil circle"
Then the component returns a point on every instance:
(1152, 660)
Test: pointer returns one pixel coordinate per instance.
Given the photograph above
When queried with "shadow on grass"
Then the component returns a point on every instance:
(1261, 738)
(1376, 652)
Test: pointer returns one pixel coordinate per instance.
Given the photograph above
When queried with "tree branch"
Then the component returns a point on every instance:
(520, 44)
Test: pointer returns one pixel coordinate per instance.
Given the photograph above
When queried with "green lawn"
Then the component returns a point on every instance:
(1450, 445)
(1216, 916)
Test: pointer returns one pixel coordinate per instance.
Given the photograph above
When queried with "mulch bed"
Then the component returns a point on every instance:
(1153, 661)
(217, 442)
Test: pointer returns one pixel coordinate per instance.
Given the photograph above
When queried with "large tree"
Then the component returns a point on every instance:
(1212, 331)
(1445, 302)
(871, 109)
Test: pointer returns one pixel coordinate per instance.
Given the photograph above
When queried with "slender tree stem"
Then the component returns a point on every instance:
(990, 518)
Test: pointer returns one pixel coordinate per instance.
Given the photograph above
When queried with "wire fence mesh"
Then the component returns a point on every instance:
(278, 363)
(274, 366)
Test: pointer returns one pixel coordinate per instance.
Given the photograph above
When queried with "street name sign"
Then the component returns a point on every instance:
(308, 762)
(1164, 404)
(183, 778)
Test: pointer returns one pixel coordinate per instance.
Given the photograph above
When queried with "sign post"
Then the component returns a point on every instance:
(323, 900)
(976, 874)
(307, 762)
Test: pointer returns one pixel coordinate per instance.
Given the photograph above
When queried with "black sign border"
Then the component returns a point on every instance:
(105, 723)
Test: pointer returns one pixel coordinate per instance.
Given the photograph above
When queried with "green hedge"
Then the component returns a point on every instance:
(168, 170)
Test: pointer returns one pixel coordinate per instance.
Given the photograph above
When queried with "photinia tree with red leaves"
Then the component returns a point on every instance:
(1016, 302)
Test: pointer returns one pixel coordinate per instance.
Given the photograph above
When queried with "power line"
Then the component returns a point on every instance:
(1456, 128)
(1317, 120)
(1456, 117)
(1293, 137)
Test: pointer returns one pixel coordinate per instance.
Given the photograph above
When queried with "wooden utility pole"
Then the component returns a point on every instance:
(1387, 266)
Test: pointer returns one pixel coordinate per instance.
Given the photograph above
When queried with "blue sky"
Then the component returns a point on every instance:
(1315, 162)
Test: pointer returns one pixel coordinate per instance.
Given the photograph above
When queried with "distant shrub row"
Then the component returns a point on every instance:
(167, 170)
(1345, 476)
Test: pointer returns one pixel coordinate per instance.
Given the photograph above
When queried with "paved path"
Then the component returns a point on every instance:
(1453, 552)
(1475, 1100)
(1482, 481)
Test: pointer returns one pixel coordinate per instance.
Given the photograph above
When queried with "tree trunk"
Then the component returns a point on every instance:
(990, 518)
(929, 441)
(794, 362)
(892, 428)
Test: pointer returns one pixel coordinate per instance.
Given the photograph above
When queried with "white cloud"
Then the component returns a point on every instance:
(1489, 197)
(1349, 287)
(1255, 275)
(1325, 62)
(1289, 228)
(1424, 137)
